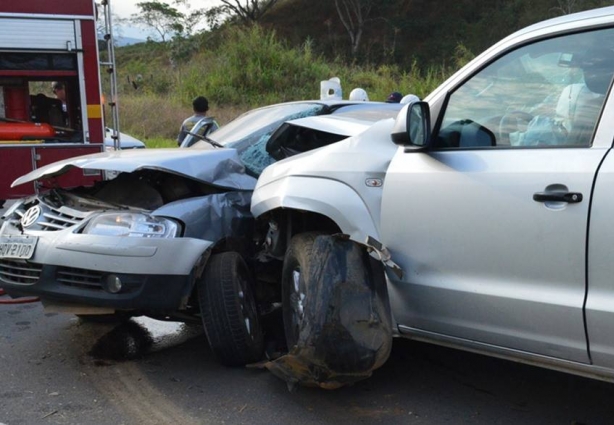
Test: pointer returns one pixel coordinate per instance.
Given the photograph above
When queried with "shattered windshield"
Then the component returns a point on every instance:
(249, 133)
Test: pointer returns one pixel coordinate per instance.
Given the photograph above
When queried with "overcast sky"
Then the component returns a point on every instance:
(125, 8)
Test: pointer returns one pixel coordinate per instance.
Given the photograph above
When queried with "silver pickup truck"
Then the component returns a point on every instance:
(479, 219)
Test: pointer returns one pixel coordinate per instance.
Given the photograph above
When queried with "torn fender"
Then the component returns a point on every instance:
(346, 331)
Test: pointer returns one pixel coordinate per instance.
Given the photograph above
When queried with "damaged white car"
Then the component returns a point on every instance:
(171, 236)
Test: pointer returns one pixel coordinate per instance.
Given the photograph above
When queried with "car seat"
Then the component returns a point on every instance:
(579, 104)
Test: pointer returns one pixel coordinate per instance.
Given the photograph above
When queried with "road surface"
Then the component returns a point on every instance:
(48, 375)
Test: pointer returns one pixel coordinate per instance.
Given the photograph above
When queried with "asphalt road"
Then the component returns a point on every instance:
(48, 375)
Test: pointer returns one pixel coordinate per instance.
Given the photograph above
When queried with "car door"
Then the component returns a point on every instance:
(490, 224)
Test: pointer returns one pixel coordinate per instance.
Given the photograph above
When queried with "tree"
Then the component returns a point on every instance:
(565, 7)
(248, 11)
(191, 18)
(354, 14)
(161, 17)
(214, 16)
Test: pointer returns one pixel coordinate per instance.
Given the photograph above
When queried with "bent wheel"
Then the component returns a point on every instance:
(228, 310)
(296, 263)
(336, 310)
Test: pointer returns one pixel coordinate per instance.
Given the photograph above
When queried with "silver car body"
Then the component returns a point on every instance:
(486, 267)
(125, 141)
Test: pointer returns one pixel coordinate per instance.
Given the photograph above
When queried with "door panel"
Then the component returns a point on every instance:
(490, 227)
(483, 261)
(600, 300)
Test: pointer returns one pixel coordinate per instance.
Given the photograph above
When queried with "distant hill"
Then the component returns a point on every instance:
(128, 41)
(404, 31)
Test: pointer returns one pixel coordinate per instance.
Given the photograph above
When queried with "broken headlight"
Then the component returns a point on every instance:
(131, 224)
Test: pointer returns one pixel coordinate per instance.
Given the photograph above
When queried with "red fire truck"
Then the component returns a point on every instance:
(47, 46)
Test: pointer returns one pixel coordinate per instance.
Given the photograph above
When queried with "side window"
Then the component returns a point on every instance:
(548, 93)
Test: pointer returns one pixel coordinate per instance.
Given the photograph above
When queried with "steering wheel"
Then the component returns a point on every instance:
(509, 123)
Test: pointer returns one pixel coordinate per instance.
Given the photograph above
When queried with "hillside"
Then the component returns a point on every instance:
(404, 31)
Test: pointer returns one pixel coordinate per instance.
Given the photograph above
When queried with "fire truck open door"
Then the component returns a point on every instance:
(42, 43)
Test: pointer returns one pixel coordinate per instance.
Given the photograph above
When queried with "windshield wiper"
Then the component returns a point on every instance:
(206, 139)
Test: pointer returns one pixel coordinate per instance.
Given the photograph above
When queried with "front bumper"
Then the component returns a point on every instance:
(156, 274)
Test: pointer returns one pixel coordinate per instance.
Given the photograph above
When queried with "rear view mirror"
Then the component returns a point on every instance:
(412, 128)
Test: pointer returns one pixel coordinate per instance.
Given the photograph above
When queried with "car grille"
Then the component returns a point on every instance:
(80, 278)
(20, 272)
(56, 220)
(51, 218)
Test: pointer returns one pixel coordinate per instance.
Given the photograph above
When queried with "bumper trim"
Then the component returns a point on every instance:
(131, 251)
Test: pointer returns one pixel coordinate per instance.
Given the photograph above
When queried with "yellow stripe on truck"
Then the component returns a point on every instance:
(21, 142)
(94, 111)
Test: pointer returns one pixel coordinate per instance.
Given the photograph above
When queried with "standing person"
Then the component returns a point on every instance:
(200, 106)
(394, 97)
(60, 92)
(56, 117)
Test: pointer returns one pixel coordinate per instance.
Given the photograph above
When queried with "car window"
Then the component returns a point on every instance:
(548, 93)
(251, 126)
(249, 133)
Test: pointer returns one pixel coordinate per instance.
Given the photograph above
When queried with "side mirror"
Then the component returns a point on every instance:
(412, 128)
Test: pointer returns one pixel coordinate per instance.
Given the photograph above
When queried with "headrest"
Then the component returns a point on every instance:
(598, 68)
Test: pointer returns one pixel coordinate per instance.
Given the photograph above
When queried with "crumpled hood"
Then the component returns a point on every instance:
(219, 167)
(368, 152)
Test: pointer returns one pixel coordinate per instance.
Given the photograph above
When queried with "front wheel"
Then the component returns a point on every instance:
(228, 310)
(293, 288)
(337, 317)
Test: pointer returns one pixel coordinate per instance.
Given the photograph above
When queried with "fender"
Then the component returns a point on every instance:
(331, 198)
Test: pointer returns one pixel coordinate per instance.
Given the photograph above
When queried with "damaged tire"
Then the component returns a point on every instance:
(228, 310)
(296, 263)
(336, 313)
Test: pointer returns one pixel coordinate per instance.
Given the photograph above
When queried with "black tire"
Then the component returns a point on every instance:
(228, 310)
(298, 258)
(337, 315)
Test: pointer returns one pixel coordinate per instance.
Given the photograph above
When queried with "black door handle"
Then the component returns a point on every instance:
(569, 197)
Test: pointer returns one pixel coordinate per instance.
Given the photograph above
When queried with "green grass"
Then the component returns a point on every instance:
(160, 142)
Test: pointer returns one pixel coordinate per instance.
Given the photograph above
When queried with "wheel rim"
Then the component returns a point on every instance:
(248, 307)
(297, 298)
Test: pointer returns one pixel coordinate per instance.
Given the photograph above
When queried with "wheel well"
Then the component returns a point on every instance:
(276, 228)
(307, 221)
(227, 244)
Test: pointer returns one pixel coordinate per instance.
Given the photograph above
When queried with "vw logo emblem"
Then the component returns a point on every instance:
(30, 217)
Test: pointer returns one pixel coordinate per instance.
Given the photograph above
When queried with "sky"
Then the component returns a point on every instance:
(125, 8)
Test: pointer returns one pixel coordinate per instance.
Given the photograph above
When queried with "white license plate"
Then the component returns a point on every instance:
(19, 247)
